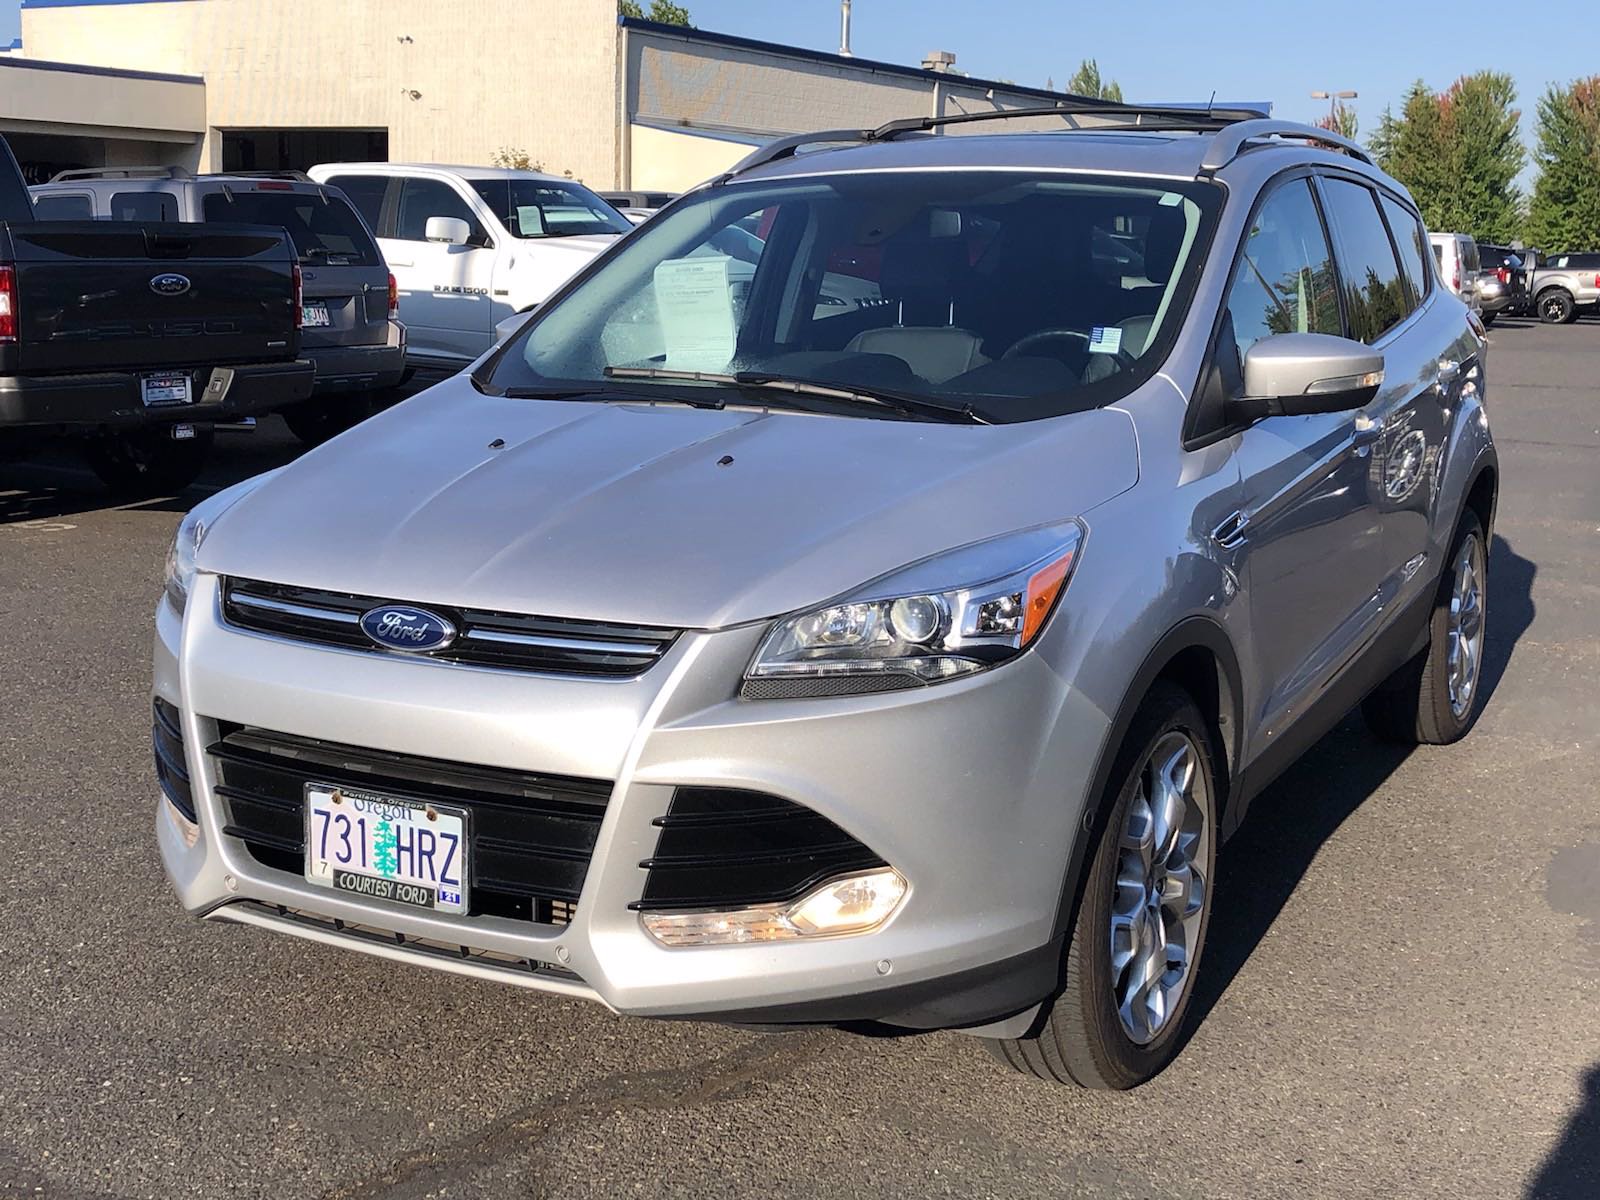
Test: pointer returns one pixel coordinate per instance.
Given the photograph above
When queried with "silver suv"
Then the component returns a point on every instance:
(867, 595)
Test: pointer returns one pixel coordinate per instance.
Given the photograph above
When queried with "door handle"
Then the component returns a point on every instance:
(1232, 533)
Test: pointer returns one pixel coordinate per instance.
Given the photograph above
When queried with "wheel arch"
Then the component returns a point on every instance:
(1198, 656)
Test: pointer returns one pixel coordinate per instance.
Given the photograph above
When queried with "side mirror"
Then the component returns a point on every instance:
(1296, 374)
(452, 230)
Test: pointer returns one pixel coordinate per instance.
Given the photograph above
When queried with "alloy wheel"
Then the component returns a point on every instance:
(1464, 649)
(1160, 887)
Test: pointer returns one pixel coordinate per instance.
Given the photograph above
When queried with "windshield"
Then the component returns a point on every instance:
(541, 208)
(325, 232)
(1012, 297)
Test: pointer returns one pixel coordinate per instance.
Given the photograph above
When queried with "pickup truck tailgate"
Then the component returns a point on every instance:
(92, 295)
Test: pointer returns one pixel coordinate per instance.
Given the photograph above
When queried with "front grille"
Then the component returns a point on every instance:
(172, 764)
(722, 848)
(530, 836)
(510, 641)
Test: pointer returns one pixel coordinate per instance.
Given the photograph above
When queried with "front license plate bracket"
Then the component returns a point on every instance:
(404, 851)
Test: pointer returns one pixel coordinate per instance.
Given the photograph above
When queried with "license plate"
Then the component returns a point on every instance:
(384, 848)
(315, 316)
(157, 390)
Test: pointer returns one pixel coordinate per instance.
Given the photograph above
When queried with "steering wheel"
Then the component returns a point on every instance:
(1039, 336)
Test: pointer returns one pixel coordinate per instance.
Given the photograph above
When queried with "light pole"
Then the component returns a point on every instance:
(1333, 99)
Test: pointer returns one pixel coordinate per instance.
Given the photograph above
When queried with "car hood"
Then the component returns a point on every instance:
(651, 514)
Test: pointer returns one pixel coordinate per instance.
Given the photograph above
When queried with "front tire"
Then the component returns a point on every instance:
(1557, 308)
(148, 462)
(1434, 699)
(1136, 944)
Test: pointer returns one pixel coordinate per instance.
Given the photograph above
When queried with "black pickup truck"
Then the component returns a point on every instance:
(136, 339)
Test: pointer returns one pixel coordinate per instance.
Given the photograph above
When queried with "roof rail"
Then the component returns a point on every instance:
(1232, 139)
(1137, 116)
(121, 173)
(292, 176)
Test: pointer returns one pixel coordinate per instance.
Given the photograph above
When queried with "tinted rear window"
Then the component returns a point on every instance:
(63, 208)
(1376, 299)
(144, 206)
(324, 232)
(366, 192)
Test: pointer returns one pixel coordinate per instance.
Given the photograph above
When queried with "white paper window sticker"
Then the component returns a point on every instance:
(696, 308)
(1105, 339)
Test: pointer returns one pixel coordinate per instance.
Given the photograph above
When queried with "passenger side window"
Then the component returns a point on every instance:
(1284, 282)
(1374, 293)
(1409, 237)
(144, 206)
(366, 193)
(424, 198)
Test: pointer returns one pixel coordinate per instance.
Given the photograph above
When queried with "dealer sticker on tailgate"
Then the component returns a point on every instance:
(386, 848)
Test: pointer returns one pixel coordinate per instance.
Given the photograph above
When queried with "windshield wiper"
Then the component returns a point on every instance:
(899, 402)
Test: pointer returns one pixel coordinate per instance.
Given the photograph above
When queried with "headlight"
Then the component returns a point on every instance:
(940, 618)
(192, 532)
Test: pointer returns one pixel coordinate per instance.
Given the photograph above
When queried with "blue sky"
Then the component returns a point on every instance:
(1182, 50)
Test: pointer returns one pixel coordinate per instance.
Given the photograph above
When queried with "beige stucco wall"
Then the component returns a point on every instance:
(534, 75)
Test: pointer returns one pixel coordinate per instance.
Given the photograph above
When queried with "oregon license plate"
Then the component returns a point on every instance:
(385, 848)
(315, 316)
(157, 390)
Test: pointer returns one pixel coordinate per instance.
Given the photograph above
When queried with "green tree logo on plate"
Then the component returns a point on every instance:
(384, 849)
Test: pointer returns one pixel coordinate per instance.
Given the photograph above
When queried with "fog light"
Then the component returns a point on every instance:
(854, 904)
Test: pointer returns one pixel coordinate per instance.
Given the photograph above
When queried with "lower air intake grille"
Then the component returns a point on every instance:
(530, 837)
(172, 764)
(511, 641)
(721, 848)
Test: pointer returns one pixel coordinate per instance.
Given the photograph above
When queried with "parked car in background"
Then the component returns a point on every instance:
(135, 339)
(350, 327)
(712, 652)
(1456, 256)
(1502, 281)
(638, 207)
(1563, 285)
(470, 246)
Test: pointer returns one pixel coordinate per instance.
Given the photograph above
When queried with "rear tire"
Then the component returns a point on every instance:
(1434, 699)
(148, 462)
(1488, 318)
(1136, 944)
(1556, 307)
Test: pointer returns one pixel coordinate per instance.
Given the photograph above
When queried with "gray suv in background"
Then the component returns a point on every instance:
(350, 328)
(1563, 285)
(711, 650)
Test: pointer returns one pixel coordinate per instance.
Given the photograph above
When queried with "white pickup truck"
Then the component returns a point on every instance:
(471, 246)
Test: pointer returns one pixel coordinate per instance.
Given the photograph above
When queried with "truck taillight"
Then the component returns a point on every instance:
(8, 303)
(1597, 281)
(1455, 277)
(1503, 274)
(299, 298)
(394, 297)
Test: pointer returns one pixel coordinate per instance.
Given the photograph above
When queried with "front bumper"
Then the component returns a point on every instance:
(973, 790)
(359, 368)
(111, 400)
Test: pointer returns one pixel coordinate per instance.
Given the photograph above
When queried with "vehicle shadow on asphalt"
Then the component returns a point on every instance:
(1572, 1172)
(1263, 863)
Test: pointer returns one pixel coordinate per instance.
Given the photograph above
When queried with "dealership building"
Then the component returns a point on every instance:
(216, 85)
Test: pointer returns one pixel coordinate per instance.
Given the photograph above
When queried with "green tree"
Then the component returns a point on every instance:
(1459, 154)
(1565, 211)
(1342, 120)
(1086, 81)
(664, 11)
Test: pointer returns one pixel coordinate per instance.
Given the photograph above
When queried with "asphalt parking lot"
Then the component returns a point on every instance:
(1401, 996)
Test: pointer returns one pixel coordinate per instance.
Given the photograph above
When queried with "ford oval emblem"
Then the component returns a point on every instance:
(413, 630)
(170, 284)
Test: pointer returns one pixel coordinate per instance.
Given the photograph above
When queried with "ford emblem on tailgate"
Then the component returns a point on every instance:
(170, 284)
(397, 627)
